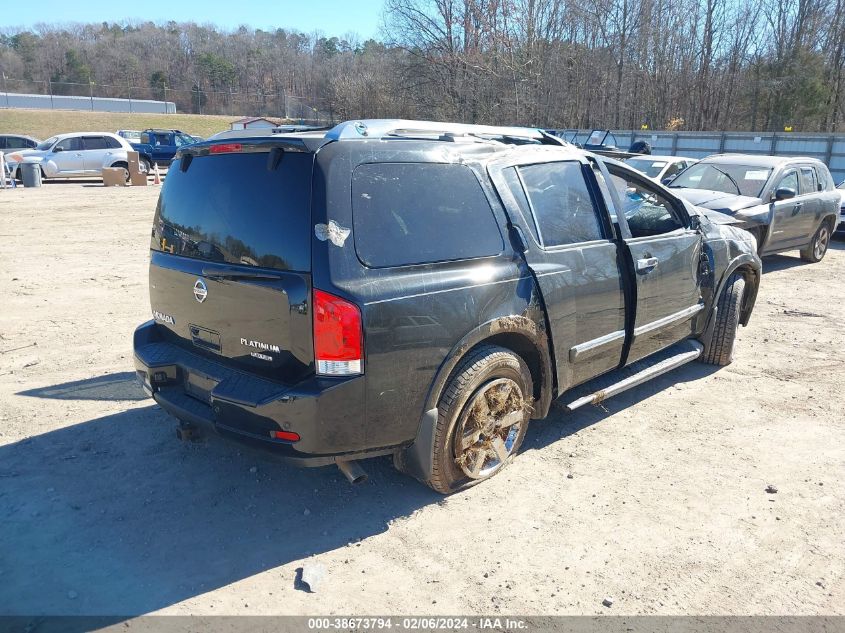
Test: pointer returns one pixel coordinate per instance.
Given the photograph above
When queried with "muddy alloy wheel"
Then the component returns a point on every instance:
(488, 428)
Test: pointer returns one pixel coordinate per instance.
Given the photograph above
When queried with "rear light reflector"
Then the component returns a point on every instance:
(225, 148)
(338, 335)
(288, 436)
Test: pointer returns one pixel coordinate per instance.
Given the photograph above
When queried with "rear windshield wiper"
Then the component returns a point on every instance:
(214, 273)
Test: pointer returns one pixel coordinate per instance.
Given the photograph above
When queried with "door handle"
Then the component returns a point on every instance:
(647, 265)
(797, 208)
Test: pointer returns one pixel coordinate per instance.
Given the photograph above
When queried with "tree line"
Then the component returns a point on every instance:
(761, 65)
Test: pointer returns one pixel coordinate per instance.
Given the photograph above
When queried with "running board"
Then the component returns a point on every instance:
(643, 370)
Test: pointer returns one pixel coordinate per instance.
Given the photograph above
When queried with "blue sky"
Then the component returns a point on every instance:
(333, 17)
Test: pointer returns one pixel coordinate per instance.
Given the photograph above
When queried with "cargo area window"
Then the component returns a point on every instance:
(254, 216)
(418, 213)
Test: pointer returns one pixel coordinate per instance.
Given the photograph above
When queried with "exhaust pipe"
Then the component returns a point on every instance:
(353, 471)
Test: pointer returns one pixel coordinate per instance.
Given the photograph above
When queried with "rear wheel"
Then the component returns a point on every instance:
(125, 167)
(482, 418)
(720, 349)
(145, 166)
(816, 249)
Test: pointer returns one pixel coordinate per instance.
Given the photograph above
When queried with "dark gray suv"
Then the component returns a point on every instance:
(422, 290)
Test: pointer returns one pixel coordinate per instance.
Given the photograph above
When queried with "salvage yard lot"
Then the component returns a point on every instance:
(657, 499)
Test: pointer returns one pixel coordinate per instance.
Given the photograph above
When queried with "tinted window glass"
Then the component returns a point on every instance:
(561, 203)
(232, 208)
(94, 142)
(674, 169)
(411, 213)
(515, 185)
(745, 180)
(73, 144)
(648, 212)
(808, 180)
(3, 143)
(112, 143)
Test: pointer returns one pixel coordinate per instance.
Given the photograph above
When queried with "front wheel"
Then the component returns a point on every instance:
(720, 349)
(482, 418)
(145, 166)
(816, 249)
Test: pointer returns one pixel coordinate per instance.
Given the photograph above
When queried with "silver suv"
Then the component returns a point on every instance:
(73, 155)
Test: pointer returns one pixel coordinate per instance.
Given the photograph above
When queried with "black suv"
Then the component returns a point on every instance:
(422, 290)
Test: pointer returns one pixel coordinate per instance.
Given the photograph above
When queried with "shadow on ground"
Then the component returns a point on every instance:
(115, 516)
(113, 387)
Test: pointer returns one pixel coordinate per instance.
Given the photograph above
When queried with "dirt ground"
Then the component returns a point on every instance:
(103, 511)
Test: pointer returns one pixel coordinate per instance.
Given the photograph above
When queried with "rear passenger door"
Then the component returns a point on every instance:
(97, 151)
(574, 260)
(666, 259)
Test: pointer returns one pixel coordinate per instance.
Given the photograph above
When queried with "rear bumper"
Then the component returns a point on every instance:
(327, 413)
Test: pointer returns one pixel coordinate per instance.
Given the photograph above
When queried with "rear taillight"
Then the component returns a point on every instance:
(338, 335)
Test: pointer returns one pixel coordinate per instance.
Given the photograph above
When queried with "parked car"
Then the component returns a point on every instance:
(787, 203)
(133, 136)
(16, 143)
(660, 168)
(840, 228)
(75, 154)
(160, 146)
(422, 290)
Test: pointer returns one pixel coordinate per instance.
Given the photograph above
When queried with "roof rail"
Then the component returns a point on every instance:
(384, 128)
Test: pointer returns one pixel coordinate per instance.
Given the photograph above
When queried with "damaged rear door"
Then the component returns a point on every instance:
(574, 260)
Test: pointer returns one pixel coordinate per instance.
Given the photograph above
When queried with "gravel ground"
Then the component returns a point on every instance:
(657, 500)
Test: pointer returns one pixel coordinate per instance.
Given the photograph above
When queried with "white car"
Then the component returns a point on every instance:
(659, 168)
(73, 155)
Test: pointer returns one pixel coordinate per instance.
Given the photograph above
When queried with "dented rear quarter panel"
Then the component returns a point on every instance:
(417, 318)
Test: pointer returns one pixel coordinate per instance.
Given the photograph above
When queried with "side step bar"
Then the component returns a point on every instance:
(683, 353)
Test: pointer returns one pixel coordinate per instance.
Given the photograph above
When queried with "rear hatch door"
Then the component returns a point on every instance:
(230, 264)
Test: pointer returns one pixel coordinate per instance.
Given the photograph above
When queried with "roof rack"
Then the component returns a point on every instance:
(392, 128)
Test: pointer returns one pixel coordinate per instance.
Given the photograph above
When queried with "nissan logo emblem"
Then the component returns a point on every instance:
(200, 290)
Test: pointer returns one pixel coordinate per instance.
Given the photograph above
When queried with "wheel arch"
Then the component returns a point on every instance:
(518, 333)
(750, 268)
(525, 337)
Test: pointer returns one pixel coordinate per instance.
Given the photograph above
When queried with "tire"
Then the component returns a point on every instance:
(720, 349)
(490, 387)
(815, 251)
(125, 168)
(146, 166)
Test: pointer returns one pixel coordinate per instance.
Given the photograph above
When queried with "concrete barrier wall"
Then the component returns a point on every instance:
(97, 104)
(828, 148)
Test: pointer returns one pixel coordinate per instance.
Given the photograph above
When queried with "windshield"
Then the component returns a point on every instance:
(650, 168)
(45, 145)
(743, 180)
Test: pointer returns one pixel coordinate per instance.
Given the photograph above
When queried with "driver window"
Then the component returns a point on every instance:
(647, 210)
(73, 144)
(789, 181)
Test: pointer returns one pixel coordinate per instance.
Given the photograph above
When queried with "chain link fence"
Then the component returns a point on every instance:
(23, 93)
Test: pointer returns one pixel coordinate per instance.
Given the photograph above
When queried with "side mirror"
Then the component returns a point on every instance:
(668, 180)
(784, 193)
(695, 222)
(58, 149)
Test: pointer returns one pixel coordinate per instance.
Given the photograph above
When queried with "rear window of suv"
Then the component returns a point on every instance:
(418, 213)
(239, 208)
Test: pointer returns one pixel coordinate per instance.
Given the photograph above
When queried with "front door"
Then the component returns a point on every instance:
(574, 259)
(786, 230)
(69, 158)
(666, 258)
